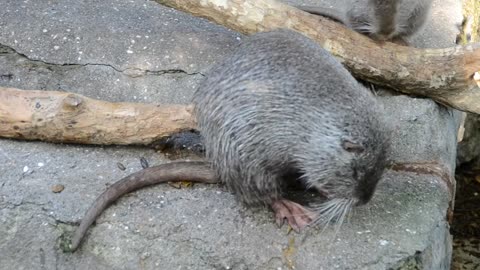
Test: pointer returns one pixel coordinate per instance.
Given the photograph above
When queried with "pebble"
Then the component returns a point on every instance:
(58, 188)
(121, 166)
(144, 162)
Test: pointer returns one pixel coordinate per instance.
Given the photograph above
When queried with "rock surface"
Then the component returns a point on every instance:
(141, 51)
(468, 148)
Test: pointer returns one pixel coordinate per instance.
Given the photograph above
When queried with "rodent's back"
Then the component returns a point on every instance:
(276, 91)
(277, 73)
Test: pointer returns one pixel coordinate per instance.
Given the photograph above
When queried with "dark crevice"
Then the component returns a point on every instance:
(43, 207)
(4, 49)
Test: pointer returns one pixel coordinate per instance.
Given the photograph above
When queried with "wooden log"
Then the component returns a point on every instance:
(445, 75)
(71, 118)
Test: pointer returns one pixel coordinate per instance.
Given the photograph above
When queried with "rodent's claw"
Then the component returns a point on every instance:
(279, 217)
(280, 220)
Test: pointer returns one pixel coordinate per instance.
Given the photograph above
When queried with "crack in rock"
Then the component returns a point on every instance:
(131, 72)
(34, 205)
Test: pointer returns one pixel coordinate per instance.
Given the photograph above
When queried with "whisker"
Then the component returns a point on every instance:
(332, 211)
(346, 209)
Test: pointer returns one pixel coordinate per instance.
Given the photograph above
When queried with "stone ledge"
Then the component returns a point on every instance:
(200, 228)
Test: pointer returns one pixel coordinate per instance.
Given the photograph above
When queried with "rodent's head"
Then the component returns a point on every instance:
(353, 173)
(367, 166)
(348, 177)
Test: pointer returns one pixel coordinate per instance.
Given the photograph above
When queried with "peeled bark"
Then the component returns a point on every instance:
(71, 118)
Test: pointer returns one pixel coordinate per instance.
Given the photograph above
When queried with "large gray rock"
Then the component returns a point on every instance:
(140, 51)
(469, 148)
(111, 50)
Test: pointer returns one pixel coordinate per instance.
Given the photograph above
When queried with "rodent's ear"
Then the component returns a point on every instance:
(352, 147)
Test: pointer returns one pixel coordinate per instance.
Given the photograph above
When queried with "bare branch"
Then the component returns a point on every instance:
(70, 118)
(445, 75)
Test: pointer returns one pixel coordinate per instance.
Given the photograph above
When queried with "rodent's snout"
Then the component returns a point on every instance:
(359, 202)
(363, 195)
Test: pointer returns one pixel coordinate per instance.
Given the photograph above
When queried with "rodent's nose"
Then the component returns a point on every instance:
(363, 196)
(360, 202)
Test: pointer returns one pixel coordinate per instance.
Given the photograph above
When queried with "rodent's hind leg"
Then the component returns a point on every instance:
(297, 216)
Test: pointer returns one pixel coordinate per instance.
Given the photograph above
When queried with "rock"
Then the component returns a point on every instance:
(469, 148)
(57, 188)
(141, 51)
(121, 166)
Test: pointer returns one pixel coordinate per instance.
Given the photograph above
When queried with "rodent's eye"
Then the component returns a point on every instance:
(352, 147)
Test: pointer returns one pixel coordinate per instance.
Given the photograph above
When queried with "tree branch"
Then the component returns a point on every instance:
(445, 75)
(70, 118)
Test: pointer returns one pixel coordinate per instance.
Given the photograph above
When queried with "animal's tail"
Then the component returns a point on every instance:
(194, 171)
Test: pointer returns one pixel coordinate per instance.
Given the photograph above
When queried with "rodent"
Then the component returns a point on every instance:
(279, 105)
(383, 20)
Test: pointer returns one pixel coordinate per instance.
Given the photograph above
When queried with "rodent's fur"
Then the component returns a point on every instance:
(380, 19)
(278, 105)
(282, 103)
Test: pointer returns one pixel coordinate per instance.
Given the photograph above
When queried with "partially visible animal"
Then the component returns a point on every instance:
(383, 20)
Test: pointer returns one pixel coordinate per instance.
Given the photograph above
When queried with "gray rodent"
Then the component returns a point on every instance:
(279, 104)
(393, 20)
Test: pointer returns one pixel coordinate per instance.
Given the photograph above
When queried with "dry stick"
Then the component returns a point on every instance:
(445, 75)
(71, 118)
